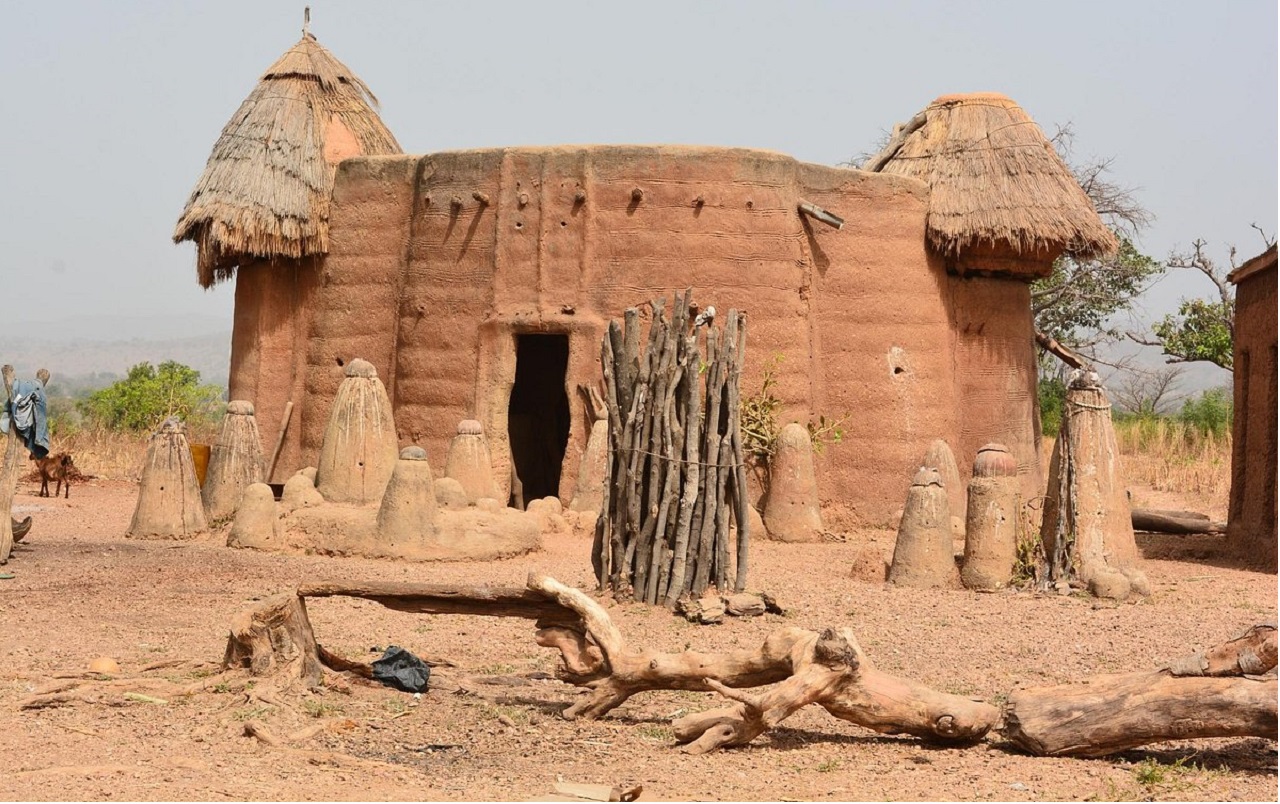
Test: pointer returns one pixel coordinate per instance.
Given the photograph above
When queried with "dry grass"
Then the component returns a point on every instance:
(1177, 457)
(117, 455)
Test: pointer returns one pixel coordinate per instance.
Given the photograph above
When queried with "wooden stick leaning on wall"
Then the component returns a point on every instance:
(8, 472)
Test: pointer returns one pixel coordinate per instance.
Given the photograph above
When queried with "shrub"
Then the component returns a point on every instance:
(1210, 412)
(1052, 394)
(149, 395)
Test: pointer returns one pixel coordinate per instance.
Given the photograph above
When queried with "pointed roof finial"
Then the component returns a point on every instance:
(306, 21)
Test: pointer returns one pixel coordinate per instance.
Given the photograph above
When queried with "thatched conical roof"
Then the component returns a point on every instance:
(265, 190)
(994, 180)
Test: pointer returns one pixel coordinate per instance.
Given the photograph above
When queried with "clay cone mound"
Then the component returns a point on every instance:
(236, 462)
(922, 556)
(940, 457)
(360, 445)
(791, 512)
(408, 512)
(169, 504)
(468, 462)
(257, 522)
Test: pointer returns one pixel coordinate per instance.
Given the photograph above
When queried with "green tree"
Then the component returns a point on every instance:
(1202, 329)
(1052, 393)
(149, 395)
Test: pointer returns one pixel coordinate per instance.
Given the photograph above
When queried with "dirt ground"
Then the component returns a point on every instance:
(82, 591)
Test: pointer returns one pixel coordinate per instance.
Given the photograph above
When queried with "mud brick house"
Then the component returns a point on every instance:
(480, 282)
(1251, 522)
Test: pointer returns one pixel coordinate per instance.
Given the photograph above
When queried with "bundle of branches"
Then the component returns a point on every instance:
(675, 455)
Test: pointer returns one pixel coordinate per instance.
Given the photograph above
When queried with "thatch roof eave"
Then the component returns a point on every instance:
(993, 179)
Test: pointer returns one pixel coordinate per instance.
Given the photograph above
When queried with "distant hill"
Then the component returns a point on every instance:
(91, 362)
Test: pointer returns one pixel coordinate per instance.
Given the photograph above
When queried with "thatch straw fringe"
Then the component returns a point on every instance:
(265, 190)
(995, 180)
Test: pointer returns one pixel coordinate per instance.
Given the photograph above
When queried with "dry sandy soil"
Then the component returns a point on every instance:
(82, 590)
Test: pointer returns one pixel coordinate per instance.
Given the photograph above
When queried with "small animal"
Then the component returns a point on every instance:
(58, 468)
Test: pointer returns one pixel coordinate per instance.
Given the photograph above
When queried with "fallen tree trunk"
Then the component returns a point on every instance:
(828, 669)
(1178, 522)
(833, 672)
(1201, 695)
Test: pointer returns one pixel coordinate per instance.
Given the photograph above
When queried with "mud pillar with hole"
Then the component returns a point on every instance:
(991, 520)
(360, 445)
(169, 503)
(1087, 529)
(236, 462)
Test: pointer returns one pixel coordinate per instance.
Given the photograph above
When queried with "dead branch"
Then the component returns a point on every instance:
(836, 674)
(828, 669)
(1053, 347)
(899, 137)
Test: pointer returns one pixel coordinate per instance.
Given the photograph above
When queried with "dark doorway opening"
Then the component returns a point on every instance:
(538, 415)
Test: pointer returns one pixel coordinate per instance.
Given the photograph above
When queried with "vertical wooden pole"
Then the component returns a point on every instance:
(8, 472)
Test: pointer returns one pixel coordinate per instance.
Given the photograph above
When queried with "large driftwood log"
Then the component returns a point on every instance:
(1201, 695)
(829, 669)
(832, 671)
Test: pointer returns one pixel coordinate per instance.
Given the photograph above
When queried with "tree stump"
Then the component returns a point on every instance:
(1087, 529)
(275, 637)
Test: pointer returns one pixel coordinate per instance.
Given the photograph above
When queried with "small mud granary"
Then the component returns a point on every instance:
(479, 283)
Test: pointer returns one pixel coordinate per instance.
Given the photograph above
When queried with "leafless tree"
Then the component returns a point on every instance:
(1140, 390)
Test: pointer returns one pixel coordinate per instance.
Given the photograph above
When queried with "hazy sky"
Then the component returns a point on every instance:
(114, 107)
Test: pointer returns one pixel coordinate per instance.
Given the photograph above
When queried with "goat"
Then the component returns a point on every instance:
(57, 467)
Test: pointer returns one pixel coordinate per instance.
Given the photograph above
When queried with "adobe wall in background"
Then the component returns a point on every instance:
(1251, 522)
(438, 262)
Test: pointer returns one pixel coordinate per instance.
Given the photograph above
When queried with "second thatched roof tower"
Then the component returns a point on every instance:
(265, 190)
(260, 214)
(997, 187)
